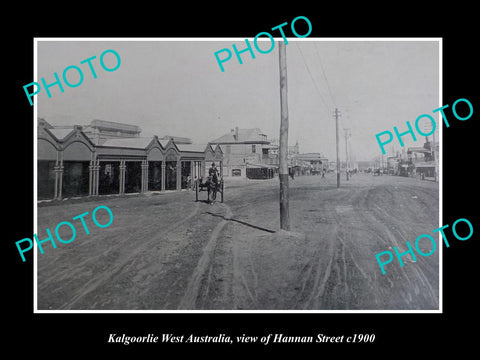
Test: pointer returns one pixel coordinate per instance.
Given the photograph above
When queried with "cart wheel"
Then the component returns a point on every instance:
(196, 190)
(221, 193)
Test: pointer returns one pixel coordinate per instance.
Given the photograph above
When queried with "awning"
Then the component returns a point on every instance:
(424, 165)
(262, 166)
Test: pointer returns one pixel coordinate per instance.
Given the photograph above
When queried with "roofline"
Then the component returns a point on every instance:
(239, 142)
(122, 147)
(52, 134)
(67, 137)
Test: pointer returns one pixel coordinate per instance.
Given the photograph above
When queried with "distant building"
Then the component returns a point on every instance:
(242, 149)
(365, 165)
(293, 150)
(309, 163)
(270, 155)
(393, 165)
(422, 162)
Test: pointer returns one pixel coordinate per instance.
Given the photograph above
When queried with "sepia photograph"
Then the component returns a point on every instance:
(237, 175)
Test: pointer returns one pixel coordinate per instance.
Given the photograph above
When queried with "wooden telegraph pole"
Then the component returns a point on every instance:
(283, 142)
(338, 154)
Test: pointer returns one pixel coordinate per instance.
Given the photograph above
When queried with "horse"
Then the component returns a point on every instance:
(212, 187)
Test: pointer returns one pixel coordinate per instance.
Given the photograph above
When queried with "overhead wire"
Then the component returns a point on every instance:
(311, 77)
(324, 75)
(332, 97)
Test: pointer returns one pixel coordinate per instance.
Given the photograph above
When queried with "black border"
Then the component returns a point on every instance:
(67, 334)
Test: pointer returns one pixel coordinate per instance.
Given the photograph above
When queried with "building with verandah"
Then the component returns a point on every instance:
(72, 162)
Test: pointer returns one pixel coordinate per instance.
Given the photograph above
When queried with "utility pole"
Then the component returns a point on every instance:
(346, 153)
(283, 141)
(338, 155)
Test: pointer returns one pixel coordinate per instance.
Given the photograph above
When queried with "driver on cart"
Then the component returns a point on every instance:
(213, 173)
(213, 176)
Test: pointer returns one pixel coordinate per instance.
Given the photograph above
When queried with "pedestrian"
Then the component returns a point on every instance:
(290, 172)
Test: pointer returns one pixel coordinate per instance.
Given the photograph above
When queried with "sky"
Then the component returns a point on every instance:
(175, 87)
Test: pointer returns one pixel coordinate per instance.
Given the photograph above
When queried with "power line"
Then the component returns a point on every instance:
(324, 75)
(311, 77)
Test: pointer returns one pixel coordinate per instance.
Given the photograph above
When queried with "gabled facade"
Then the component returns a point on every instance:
(69, 164)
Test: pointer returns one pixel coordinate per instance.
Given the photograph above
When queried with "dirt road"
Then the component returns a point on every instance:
(165, 251)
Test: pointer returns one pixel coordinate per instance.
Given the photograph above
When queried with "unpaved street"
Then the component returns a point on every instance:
(166, 251)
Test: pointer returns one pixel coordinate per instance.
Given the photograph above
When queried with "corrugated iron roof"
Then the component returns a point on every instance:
(192, 147)
(137, 143)
(244, 136)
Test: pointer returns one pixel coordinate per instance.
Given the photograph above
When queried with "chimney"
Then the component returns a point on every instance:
(236, 133)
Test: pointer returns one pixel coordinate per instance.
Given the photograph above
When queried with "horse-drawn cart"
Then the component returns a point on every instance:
(211, 187)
